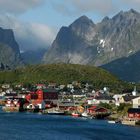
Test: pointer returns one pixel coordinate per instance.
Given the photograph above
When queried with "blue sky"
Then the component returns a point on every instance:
(36, 22)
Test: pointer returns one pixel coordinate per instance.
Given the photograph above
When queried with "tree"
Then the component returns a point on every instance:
(105, 105)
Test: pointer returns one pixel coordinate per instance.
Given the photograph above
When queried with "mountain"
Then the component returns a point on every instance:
(33, 56)
(84, 42)
(72, 44)
(9, 50)
(127, 68)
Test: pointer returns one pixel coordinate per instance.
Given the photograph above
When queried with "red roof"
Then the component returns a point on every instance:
(93, 107)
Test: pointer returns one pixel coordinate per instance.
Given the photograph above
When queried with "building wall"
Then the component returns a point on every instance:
(50, 96)
(136, 103)
(134, 115)
(135, 106)
(104, 101)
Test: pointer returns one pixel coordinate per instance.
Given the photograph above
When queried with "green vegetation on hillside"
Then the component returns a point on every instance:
(61, 74)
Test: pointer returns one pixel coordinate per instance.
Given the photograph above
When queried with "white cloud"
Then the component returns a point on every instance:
(135, 4)
(18, 6)
(81, 6)
(29, 35)
(99, 7)
(102, 6)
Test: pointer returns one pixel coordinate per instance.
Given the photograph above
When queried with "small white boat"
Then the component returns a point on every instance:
(111, 122)
(129, 122)
(85, 114)
(55, 111)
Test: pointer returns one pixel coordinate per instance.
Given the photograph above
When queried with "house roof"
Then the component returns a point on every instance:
(129, 98)
(11, 94)
(96, 108)
(133, 110)
(50, 90)
(137, 98)
(92, 107)
(103, 97)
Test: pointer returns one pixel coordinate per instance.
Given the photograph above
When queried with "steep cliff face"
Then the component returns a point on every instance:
(9, 50)
(121, 36)
(84, 42)
(73, 43)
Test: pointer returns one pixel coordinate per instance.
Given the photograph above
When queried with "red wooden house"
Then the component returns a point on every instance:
(43, 96)
(95, 109)
(134, 113)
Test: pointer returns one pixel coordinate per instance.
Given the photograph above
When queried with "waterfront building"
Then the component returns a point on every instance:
(11, 95)
(134, 113)
(124, 98)
(15, 104)
(5, 86)
(42, 97)
(100, 99)
(129, 99)
(136, 102)
(118, 99)
(98, 112)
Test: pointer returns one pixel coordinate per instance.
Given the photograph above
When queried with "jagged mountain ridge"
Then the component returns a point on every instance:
(84, 42)
(9, 50)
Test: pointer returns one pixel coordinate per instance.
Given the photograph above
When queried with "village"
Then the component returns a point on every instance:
(72, 99)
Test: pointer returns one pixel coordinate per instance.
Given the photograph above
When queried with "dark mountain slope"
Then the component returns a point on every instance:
(9, 50)
(127, 68)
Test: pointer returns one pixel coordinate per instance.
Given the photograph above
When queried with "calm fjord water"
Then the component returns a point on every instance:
(29, 126)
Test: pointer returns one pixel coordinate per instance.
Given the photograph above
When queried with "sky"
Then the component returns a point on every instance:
(36, 22)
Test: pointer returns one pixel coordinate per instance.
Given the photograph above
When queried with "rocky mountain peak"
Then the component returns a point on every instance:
(82, 21)
(9, 49)
(7, 37)
(126, 19)
(84, 42)
(133, 11)
(105, 19)
(131, 14)
(83, 27)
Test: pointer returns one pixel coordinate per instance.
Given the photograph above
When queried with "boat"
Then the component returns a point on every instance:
(129, 122)
(85, 114)
(55, 111)
(74, 114)
(10, 109)
(111, 121)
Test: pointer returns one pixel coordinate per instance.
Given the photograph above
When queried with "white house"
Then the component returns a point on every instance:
(100, 99)
(5, 86)
(118, 99)
(136, 102)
